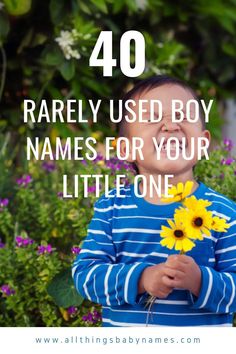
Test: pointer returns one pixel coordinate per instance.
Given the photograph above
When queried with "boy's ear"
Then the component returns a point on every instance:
(207, 135)
(123, 150)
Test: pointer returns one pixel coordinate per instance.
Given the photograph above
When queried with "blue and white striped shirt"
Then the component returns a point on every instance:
(124, 238)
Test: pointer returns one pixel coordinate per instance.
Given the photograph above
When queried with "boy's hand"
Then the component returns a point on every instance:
(152, 282)
(182, 272)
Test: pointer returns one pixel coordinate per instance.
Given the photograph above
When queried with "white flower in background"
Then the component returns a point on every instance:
(141, 4)
(1, 5)
(73, 53)
(66, 41)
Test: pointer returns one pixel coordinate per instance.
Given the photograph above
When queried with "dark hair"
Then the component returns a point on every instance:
(150, 83)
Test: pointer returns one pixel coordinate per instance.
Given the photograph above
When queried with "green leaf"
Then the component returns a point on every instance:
(17, 7)
(57, 11)
(53, 56)
(118, 5)
(26, 40)
(229, 48)
(39, 39)
(101, 5)
(84, 8)
(67, 69)
(4, 26)
(132, 5)
(63, 291)
(95, 86)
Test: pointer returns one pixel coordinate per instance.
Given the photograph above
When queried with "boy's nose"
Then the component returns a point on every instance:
(170, 126)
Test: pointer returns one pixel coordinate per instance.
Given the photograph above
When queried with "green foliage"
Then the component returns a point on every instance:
(179, 41)
(63, 291)
(4, 27)
(40, 272)
(17, 7)
(28, 274)
(219, 171)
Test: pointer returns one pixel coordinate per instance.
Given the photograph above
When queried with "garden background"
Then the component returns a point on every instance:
(44, 52)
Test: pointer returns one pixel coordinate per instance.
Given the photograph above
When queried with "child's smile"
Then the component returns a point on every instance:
(179, 142)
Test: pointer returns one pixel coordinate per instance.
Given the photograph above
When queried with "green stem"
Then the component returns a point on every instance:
(4, 69)
(43, 88)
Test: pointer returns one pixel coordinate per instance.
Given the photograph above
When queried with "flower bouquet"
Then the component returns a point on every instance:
(191, 221)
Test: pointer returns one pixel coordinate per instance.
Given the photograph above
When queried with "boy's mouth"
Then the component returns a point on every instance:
(174, 145)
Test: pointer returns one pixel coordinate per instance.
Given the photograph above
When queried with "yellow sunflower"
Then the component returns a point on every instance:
(194, 203)
(176, 237)
(196, 222)
(219, 224)
(178, 192)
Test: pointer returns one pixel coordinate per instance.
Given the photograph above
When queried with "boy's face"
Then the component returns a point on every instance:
(166, 129)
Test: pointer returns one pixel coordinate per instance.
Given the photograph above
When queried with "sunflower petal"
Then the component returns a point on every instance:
(206, 231)
(188, 245)
(167, 232)
(168, 242)
(179, 245)
(180, 188)
(171, 223)
(187, 188)
(219, 224)
(164, 242)
(199, 236)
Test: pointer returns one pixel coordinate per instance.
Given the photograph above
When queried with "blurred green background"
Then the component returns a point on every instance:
(192, 40)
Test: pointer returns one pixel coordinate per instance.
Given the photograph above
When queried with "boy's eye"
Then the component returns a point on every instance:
(150, 121)
(189, 119)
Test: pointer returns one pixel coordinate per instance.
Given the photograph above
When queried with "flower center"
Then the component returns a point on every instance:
(198, 222)
(178, 233)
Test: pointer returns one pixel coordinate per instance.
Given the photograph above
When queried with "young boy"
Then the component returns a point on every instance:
(122, 262)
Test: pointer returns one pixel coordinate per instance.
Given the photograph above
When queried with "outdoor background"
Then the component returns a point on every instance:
(44, 52)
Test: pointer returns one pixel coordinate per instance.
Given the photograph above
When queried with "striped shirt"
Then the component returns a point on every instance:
(124, 238)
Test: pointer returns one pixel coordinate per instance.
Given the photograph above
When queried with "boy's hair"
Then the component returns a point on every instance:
(150, 83)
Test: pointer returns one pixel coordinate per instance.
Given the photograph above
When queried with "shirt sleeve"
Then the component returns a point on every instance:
(97, 274)
(218, 286)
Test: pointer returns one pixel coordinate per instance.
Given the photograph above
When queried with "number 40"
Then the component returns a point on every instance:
(107, 62)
